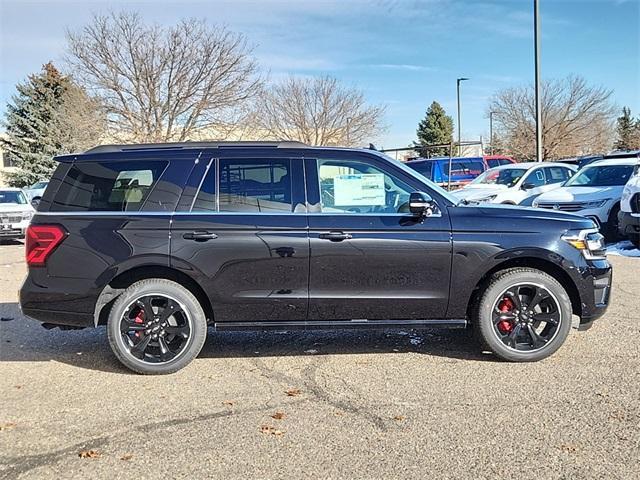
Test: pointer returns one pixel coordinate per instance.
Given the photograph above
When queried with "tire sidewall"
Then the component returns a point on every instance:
(490, 297)
(183, 297)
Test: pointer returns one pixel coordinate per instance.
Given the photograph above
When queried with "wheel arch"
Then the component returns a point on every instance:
(536, 263)
(120, 282)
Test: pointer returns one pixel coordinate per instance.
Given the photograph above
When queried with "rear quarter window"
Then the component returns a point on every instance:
(107, 186)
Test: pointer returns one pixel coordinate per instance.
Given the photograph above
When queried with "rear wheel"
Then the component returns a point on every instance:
(635, 239)
(156, 326)
(611, 228)
(523, 315)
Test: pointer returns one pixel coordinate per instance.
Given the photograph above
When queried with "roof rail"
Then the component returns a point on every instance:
(188, 145)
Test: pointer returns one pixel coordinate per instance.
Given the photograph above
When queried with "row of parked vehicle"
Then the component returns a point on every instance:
(595, 190)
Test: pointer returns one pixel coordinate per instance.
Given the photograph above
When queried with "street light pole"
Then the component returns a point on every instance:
(348, 131)
(536, 35)
(491, 133)
(458, 80)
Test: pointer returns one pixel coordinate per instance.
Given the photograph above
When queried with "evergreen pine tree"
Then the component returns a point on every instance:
(435, 128)
(626, 130)
(38, 124)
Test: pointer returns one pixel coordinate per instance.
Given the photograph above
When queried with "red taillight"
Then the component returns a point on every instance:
(41, 241)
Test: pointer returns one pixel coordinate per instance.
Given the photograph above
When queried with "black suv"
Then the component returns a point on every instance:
(160, 241)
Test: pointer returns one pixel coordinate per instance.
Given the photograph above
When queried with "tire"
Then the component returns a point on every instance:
(495, 294)
(635, 240)
(610, 230)
(183, 326)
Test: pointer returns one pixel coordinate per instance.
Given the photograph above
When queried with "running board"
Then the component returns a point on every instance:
(336, 324)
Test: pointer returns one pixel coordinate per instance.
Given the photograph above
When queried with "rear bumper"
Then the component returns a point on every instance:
(53, 304)
(629, 223)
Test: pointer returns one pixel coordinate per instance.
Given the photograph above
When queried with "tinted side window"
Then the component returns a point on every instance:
(535, 178)
(423, 167)
(107, 186)
(557, 174)
(494, 162)
(255, 185)
(206, 198)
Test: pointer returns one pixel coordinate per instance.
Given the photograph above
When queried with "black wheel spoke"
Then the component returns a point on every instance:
(179, 331)
(165, 353)
(512, 338)
(537, 340)
(552, 318)
(145, 304)
(172, 308)
(139, 348)
(539, 295)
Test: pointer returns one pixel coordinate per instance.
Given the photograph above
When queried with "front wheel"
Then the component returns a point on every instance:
(523, 315)
(156, 326)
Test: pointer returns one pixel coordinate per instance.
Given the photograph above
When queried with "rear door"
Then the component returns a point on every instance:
(370, 259)
(241, 232)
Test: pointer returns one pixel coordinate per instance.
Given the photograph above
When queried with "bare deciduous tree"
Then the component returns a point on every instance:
(163, 84)
(576, 119)
(317, 111)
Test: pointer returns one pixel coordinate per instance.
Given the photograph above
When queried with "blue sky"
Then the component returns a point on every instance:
(401, 53)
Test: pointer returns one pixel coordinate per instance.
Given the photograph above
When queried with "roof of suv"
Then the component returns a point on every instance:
(182, 146)
(610, 162)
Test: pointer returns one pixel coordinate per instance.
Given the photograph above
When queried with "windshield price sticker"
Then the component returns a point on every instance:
(365, 189)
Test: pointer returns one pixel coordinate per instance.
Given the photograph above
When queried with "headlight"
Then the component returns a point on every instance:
(27, 215)
(596, 203)
(487, 199)
(590, 242)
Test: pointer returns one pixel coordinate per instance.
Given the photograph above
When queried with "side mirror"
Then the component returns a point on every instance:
(421, 204)
(528, 186)
(35, 202)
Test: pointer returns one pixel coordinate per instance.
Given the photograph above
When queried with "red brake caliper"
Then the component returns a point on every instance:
(505, 306)
(139, 319)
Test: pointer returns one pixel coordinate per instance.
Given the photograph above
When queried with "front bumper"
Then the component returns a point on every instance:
(594, 288)
(13, 229)
(629, 223)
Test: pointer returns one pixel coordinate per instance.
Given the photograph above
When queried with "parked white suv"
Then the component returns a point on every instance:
(593, 192)
(516, 184)
(629, 216)
(15, 213)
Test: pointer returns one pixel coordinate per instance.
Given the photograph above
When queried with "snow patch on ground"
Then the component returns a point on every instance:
(625, 249)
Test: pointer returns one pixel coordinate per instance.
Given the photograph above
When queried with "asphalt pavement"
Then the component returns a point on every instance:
(346, 404)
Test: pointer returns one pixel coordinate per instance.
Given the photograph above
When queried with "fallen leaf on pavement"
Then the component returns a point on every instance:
(399, 418)
(228, 403)
(568, 448)
(278, 415)
(293, 392)
(7, 426)
(89, 454)
(18, 387)
(126, 456)
(269, 430)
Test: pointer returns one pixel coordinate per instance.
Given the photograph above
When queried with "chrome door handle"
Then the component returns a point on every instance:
(335, 236)
(200, 236)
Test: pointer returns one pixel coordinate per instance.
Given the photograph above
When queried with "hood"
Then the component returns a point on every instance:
(12, 208)
(515, 219)
(580, 194)
(478, 191)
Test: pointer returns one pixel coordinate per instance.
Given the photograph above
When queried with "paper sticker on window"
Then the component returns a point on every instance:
(359, 189)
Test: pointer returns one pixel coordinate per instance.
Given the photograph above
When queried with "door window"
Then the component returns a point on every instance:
(255, 185)
(356, 187)
(557, 174)
(535, 178)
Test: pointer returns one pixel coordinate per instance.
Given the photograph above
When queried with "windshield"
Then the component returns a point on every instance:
(12, 196)
(601, 176)
(500, 176)
(39, 185)
(421, 177)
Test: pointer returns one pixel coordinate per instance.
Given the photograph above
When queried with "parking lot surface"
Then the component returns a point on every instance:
(347, 404)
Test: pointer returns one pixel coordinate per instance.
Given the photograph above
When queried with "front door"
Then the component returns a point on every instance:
(370, 259)
(242, 234)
